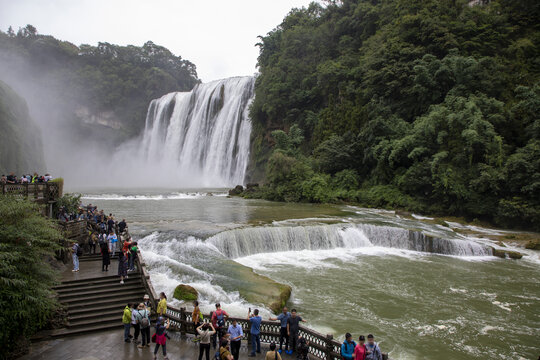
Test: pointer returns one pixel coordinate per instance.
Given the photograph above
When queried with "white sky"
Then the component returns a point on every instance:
(218, 36)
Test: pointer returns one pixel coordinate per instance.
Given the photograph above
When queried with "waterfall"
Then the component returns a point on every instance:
(200, 138)
(249, 241)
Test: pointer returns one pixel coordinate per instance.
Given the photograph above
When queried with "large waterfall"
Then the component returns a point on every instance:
(249, 241)
(200, 138)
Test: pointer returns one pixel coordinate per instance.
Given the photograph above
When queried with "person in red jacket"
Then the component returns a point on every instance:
(360, 351)
(218, 320)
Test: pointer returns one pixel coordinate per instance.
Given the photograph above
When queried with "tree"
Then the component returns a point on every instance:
(26, 276)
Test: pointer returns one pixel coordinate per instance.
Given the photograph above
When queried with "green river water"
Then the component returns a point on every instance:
(348, 269)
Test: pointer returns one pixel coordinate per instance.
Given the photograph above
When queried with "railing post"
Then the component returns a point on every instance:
(329, 346)
(183, 321)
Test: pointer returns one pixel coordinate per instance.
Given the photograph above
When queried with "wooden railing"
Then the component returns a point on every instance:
(41, 192)
(321, 346)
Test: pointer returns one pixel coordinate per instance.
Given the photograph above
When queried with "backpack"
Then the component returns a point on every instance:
(144, 322)
(79, 250)
(221, 319)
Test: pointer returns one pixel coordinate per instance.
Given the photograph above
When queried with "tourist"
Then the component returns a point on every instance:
(224, 353)
(11, 178)
(205, 333)
(147, 303)
(373, 350)
(293, 327)
(122, 266)
(126, 319)
(360, 351)
(236, 334)
(48, 177)
(76, 252)
(24, 179)
(93, 241)
(113, 240)
(162, 305)
(3, 179)
(126, 247)
(196, 317)
(122, 226)
(347, 348)
(283, 318)
(302, 348)
(272, 354)
(143, 320)
(161, 336)
(135, 323)
(105, 255)
(133, 256)
(218, 320)
(110, 223)
(255, 331)
(35, 177)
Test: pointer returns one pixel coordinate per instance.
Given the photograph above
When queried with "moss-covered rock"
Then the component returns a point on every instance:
(533, 245)
(503, 253)
(185, 293)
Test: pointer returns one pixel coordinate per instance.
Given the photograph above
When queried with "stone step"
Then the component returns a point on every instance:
(97, 320)
(101, 307)
(116, 310)
(97, 280)
(107, 285)
(134, 295)
(64, 332)
(91, 291)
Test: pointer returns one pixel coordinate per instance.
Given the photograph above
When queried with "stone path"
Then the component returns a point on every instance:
(109, 345)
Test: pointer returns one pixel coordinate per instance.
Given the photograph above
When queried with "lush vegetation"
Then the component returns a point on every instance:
(21, 148)
(83, 83)
(427, 105)
(26, 278)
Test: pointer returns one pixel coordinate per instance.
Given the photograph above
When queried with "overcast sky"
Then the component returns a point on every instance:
(219, 36)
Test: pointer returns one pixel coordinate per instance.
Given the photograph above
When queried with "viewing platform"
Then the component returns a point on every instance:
(43, 193)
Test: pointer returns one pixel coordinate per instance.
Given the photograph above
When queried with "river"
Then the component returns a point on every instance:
(440, 296)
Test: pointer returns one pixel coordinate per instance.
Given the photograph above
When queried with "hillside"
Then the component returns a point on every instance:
(21, 148)
(95, 91)
(429, 105)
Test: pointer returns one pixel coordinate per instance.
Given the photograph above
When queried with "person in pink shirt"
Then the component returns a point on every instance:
(360, 351)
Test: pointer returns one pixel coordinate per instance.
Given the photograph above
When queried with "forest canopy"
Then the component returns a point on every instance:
(103, 78)
(427, 105)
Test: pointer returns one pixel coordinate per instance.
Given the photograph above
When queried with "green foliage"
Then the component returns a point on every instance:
(70, 202)
(26, 278)
(21, 149)
(426, 105)
(103, 78)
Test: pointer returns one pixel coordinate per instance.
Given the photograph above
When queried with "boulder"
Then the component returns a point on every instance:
(507, 253)
(533, 245)
(185, 293)
(239, 189)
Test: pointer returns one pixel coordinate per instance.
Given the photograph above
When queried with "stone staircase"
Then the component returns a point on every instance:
(95, 303)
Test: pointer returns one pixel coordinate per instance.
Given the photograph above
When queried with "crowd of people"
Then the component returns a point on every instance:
(25, 178)
(225, 340)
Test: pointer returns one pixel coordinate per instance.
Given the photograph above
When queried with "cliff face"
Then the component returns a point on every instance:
(21, 148)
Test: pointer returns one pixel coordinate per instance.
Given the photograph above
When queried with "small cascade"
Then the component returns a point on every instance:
(249, 241)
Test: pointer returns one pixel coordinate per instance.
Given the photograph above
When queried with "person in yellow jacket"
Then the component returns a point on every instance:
(162, 305)
(126, 320)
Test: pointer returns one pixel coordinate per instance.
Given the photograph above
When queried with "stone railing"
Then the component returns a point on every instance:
(321, 346)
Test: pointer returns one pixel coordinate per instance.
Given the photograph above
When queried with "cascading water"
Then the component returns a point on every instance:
(244, 242)
(200, 138)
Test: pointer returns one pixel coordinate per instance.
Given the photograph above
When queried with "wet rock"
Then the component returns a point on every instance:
(185, 293)
(239, 189)
(503, 253)
(533, 245)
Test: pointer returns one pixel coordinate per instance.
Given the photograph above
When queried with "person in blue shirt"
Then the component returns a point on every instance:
(283, 318)
(237, 334)
(347, 348)
(255, 331)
